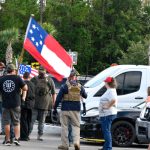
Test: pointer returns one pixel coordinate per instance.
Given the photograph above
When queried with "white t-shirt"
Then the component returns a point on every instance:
(108, 96)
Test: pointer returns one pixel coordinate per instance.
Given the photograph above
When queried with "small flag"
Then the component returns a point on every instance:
(27, 68)
(47, 51)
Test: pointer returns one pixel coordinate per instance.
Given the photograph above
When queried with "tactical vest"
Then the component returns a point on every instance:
(73, 92)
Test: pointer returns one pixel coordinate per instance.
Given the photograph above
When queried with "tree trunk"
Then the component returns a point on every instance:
(9, 54)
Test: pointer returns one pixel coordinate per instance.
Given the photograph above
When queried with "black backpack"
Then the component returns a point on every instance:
(42, 87)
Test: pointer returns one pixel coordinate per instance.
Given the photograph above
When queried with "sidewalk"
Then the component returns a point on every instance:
(51, 140)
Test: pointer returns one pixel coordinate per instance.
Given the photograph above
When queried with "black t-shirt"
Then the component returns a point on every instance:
(30, 97)
(10, 86)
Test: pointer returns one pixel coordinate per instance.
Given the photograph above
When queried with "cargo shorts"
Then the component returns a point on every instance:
(11, 115)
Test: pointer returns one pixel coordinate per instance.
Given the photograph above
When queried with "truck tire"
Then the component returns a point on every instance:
(123, 133)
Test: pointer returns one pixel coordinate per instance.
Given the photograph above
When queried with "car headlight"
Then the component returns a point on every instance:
(142, 113)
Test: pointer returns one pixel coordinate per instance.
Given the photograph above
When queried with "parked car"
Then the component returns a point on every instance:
(123, 127)
(143, 126)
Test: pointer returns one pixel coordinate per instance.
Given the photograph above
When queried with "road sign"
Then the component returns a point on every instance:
(74, 56)
(35, 65)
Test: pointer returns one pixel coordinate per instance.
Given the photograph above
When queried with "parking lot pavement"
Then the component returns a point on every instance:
(52, 140)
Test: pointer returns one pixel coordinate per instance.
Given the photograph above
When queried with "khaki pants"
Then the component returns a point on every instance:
(72, 117)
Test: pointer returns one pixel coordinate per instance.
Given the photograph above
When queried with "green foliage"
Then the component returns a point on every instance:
(49, 28)
(9, 35)
(101, 31)
(136, 54)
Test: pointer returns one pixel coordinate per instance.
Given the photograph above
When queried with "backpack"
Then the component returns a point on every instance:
(42, 88)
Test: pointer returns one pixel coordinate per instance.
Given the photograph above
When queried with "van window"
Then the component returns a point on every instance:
(128, 82)
(100, 92)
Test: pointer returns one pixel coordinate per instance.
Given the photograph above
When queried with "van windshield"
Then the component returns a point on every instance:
(99, 78)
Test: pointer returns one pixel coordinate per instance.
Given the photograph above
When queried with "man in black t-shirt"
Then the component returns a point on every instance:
(10, 88)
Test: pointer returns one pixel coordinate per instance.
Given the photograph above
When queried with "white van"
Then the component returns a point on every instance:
(132, 80)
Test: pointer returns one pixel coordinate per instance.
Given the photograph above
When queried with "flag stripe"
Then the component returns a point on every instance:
(54, 46)
(32, 50)
(55, 61)
(34, 72)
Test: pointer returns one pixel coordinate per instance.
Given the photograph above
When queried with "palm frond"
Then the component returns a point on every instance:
(9, 35)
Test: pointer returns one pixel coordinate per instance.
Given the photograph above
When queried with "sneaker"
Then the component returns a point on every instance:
(7, 143)
(77, 147)
(63, 147)
(16, 141)
(39, 137)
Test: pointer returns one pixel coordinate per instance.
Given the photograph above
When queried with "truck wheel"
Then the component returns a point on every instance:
(123, 133)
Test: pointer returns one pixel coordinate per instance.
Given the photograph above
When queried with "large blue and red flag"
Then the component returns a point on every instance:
(47, 51)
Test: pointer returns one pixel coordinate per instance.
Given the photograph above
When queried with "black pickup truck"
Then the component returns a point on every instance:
(123, 127)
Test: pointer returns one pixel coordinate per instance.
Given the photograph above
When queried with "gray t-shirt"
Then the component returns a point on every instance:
(108, 96)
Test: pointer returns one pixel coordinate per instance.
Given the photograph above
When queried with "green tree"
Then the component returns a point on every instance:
(137, 53)
(101, 31)
(9, 36)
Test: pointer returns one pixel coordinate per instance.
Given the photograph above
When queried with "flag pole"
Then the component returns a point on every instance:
(22, 54)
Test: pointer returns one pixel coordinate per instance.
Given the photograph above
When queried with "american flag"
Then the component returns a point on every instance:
(27, 68)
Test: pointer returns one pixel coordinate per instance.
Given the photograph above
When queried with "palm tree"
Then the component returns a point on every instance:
(9, 36)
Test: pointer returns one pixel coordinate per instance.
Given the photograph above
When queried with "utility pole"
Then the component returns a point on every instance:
(42, 4)
(41, 11)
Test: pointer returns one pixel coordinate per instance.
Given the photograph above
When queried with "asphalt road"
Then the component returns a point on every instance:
(52, 140)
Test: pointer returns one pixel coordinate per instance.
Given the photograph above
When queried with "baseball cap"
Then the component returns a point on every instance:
(11, 67)
(108, 79)
(73, 72)
(42, 69)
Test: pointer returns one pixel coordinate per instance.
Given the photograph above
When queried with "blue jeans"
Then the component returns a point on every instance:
(106, 130)
(70, 136)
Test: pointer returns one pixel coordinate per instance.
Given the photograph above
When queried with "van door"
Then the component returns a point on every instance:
(131, 90)
(132, 87)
